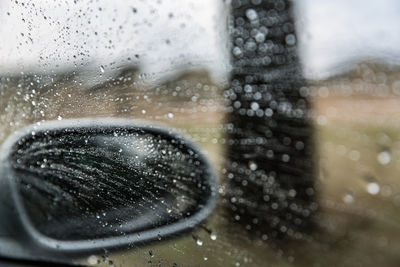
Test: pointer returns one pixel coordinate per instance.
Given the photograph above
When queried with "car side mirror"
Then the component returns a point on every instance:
(76, 187)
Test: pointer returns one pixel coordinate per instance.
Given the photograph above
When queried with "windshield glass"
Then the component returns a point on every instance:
(294, 105)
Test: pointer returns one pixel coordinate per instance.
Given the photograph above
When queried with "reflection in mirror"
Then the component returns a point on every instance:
(92, 182)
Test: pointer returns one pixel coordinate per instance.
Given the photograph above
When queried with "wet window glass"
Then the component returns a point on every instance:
(200, 133)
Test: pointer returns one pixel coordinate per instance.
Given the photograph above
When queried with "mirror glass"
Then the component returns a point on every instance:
(94, 182)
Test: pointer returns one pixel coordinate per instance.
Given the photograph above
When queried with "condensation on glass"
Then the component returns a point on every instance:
(295, 105)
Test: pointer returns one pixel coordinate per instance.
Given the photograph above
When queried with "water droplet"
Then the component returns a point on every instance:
(260, 37)
(354, 155)
(213, 236)
(386, 191)
(292, 193)
(205, 258)
(102, 69)
(255, 106)
(269, 112)
(237, 51)
(348, 198)
(151, 253)
(322, 120)
(384, 157)
(199, 242)
(251, 14)
(253, 166)
(290, 39)
(373, 188)
(92, 260)
(59, 117)
(285, 158)
(105, 258)
(170, 115)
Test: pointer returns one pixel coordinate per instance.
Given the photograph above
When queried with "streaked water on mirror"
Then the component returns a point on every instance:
(93, 182)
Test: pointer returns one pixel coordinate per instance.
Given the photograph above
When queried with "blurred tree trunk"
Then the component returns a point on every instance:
(270, 168)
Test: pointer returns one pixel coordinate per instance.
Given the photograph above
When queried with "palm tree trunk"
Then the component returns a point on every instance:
(270, 152)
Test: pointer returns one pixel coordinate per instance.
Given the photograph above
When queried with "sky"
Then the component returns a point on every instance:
(160, 36)
(335, 34)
